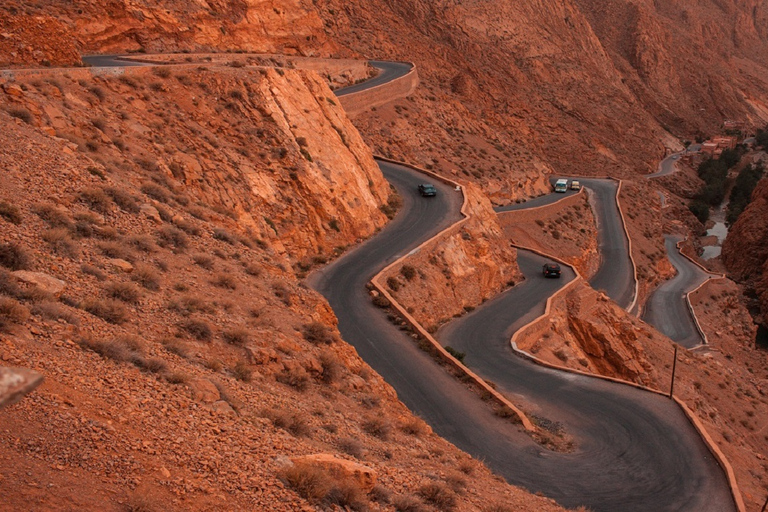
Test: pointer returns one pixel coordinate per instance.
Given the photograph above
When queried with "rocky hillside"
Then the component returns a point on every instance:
(745, 250)
(155, 225)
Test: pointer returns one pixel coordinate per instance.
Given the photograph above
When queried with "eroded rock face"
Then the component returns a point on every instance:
(745, 250)
(362, 476)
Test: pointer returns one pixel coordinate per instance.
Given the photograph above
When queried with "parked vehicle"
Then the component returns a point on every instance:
(427, 190)
(561, 185)
(575, 185)
(551, 270)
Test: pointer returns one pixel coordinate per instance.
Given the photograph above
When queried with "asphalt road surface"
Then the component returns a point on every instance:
(667, 308)
(615, 275)
(388, 71)
(110, 61)
(635, 450)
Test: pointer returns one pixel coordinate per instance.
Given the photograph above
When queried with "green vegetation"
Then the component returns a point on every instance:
(715, 176)
(742, 191)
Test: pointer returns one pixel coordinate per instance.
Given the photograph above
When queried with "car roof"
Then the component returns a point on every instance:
(552, 265)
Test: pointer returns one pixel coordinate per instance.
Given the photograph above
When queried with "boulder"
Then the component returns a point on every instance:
(204, 391)
(151, 212)
(15, 383)
(45, 282)
(121, 265)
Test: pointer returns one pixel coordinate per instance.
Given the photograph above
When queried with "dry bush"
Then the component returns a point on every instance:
(61, 242)
(438, 495)
(109, 310)
(155, 191)
(380, 494)
(318, 334)
(377, 427)
(146, 276)
(123, 199)
(415, 427)
(12, 312)
(252, 269)
(310, 482)
(197, 328)
(347, 495)
(93, 271)
(9, 285)
(115, 250)
(332, 367)
(143, 243)
(55, 311)
(177, 378)
(53, 215)
(238, 336)
(188, 304)
(106, 232)
(175, 346)
(226, 281)
(467, 466)
(126, 292)
(281, 292)
(241, 371)
(150, 365)
(224, 236)
(172, 236)
(293, 423)
(21, 113)
(456, 482)
(10, 212)
(352, 447)
(14, 257)
(143, 503)
(114, 349)
(296, 377)
(198, 213)
(203, 260)
(96, 199)
(188, 227)
(408, 272)
(408, 504)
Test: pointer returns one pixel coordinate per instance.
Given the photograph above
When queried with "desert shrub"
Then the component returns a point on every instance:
(203, 260)
(238, 336)
(96, 199)
(143, 243)
(252, 269)
(223, 280)
(175, 346)
(318, 334)
(224, 236)
(310, 482)
(55, 311)
(108, 310)
(381, 301)
(198, 212)
(14, 257)
(456, 482)
(241, 371)
(188, 304)
(150, 365)
(61, 242)
(21, 113)
(10, 212)
(415, 427)
(161, 71)
(393, 283)
(377, 427)
(12, 312)
(347, 495)
(282, 292)
(123, 199)
(53, 215)
(172, 236)
(107, 232)
(155, 191)
(198, 329)
(332, 367)
(126, 292)
(352, 447)
(115, 250)
(177, 378)
(455, 353)
(113, 349)
(408, 504)
(9, 285)
(146, 276)
(408, 272)
(439, 495)
(380, 494)
(296, 377)
(93, 271)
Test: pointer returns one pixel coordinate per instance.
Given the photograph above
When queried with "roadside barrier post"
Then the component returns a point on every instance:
(674, 367)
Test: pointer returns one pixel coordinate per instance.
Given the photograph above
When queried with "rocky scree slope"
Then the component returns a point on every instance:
(184, 362)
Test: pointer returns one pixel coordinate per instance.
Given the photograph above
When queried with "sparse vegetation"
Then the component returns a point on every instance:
(14, 257)
(108, 310)
(439, 495)
(10, 212)
(126, 292)
(61, 242)
(318, 334)
(12, 312)
(238, 336)
(198, 329)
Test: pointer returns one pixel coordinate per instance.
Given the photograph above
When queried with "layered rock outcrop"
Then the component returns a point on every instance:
(745, 250)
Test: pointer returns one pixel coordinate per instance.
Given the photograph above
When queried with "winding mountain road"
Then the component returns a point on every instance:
(634, 450)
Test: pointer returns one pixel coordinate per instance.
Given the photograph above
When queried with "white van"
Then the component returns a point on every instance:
(561, 185)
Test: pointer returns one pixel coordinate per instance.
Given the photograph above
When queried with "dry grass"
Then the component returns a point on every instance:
(10, 212)
(14, 257)
(109, 310)
(188, 304)
(296, 377)
(55, 216)
(408, 504)
(115, 250)
(318, 334)
(143, 243)
(169, 236)
(415, 427)
(238, 336)
(93, 271)
(197, 328)
(123, 199)
(332, 367)
(146, 276)
(352, 447)
(96, 199)
(438, 495)
(241, 371)
(291, 422)
(225, 281)
(12, 312)
(126, 292)
(54, 311)
(203, 260)
(61, 242)
(377, 427)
